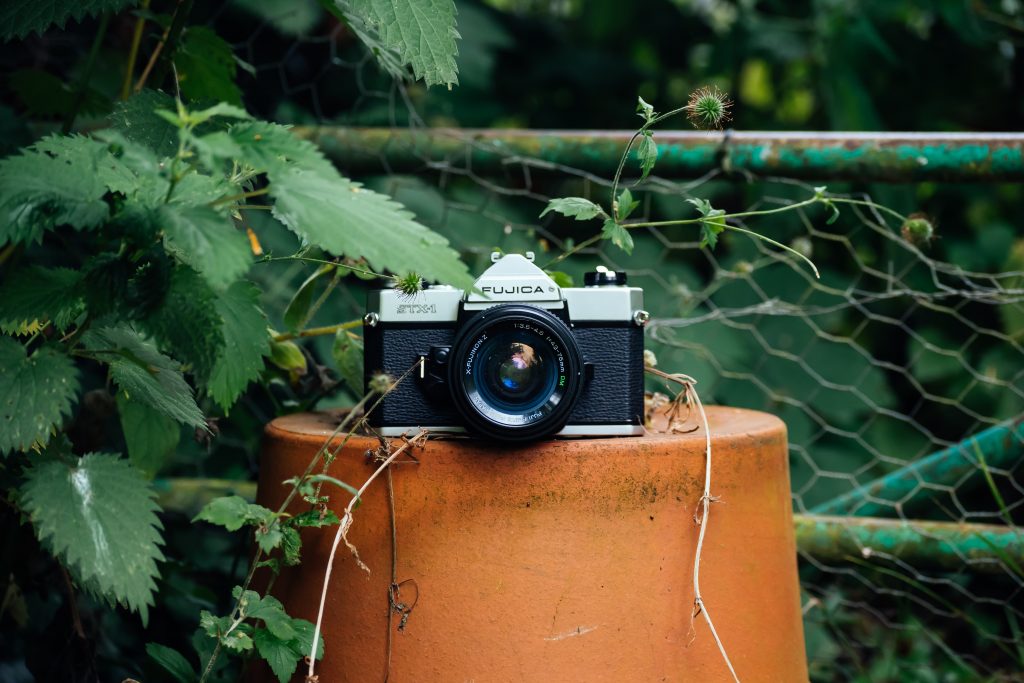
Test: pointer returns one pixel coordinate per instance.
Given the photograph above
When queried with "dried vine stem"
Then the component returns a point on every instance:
(342, 535)
(689, 394)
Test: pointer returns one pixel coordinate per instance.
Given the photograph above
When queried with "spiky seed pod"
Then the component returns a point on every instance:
(381, 383)
(650, 360)
(708, 107)
(918, 229)
(409, 284)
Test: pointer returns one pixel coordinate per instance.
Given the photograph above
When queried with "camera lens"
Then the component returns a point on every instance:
(516, 372)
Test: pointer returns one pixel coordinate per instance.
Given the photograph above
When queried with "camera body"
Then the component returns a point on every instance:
(516, 358)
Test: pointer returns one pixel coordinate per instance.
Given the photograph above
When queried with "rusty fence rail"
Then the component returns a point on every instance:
(883, 157)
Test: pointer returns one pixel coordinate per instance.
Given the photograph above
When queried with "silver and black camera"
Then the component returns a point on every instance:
(515, 358)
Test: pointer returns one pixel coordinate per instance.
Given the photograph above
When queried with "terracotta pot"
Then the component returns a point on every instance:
(566, 560)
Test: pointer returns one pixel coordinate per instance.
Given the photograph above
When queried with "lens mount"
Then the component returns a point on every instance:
(515, 372)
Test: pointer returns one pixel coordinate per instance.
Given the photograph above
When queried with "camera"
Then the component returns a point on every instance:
(514, 358)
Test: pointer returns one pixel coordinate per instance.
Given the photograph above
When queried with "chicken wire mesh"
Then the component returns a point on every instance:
(899, 373)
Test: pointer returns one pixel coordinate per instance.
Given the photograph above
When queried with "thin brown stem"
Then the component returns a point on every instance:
(76, 617)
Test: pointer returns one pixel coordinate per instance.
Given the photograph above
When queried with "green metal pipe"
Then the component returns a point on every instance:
(986, 548)
(887, 157)
(1000, 445)
(921, 543)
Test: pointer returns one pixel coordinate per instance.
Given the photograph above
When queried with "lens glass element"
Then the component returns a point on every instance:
(514, 372)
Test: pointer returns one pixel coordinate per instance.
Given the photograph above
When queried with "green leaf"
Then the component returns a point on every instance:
(234, 512)
(284, 653)
(39, 191)
(150, 437)
(421, 33)
(644, 110)
(206, 67)
(288, 356)
(561, 279)
(647, 153)
(574, 207)
(238, 639)
(207, 240)
(187, 324)
(713, 226)
(36, 392)
(348, 355)
(297, 313)
(22, 17)
(618, 235)
(34, 294)
(171, 661)
(144, 374)
(99, 517)
(44, 95)
(291, 546)
(269, 537)
(295, 19)
(625, 205)
(137, 121)
(246, 342)
(315, 518)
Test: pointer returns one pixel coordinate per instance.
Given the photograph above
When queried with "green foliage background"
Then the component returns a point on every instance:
(900, 65)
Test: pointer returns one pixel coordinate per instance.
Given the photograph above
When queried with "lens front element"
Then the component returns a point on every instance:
(516, 372)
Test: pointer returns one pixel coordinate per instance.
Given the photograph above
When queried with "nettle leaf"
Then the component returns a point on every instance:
(206, 67)
(234, 512)
(618, 235)
(419, 33)
(574, 207)
(647, 153)
(348, 355)
(29, 296)
(22, 17)
(99, 517)
(36, 392)
(712, 226)
(136, 119)
(172, 661)
(246, 343)
(187, 324)
(644, 110)
(39, 191)
(150, 437)
(283, 655)
(144, 374)
(237, 638)
(207, 240)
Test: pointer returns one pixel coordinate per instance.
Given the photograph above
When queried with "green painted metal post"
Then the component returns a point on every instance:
(1000, 445)
(887, 157)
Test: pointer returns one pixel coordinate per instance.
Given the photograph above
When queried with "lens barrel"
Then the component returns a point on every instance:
(515, 373)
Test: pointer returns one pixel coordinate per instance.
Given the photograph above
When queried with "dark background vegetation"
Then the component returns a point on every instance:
(951, 65)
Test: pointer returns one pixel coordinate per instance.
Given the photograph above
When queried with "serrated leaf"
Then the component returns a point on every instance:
(207, 240)
(618, 235)
(315, 519)
(39, 192)
(574, 207)
(22, 17)
(187, 324)
(283, 655)
(136, 119)
(348, 356)
(144, 374)
(98, 515)
(246, 343)
(644, 110)
(269, 537)
(238, 639)
(206, 67)
(625, 205)
(291, 546)
(38, 294)
(171, 661)
(233, 512)
(712, 226)
(422, 33)
(36, 392)
(150, 437)
(647, 153)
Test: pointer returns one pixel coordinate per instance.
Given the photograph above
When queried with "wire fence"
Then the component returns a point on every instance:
(899, 374)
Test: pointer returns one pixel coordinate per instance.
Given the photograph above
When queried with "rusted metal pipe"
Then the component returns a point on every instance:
(988, 548)
(888, 157)
(948, 545)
